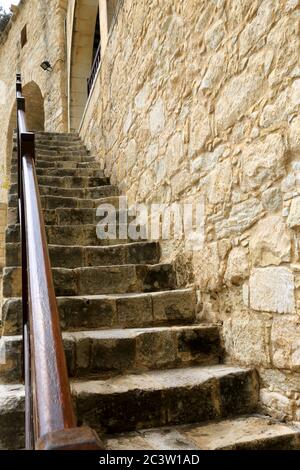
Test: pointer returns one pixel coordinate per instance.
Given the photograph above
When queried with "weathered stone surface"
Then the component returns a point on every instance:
(215, 34)
(276, 404)
(285, 340)
(214, 71)
(247, 339)
(207, 161)
(200, 130)
(220, 182)
(170, 306)
(115, 350)
(294, 135)
(157, 117)
(241, 217)
(237, 96)
(258, 26)
(270, 242)
(293, 219)
(155, 398)
(285, 104)
(237, 266)
(262, 162)
(246, 433)
(112, 311)
(211, 277)
(272, 290)
(271, 199)
(12, 408)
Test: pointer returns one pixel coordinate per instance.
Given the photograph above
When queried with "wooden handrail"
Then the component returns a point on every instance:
(49, 417)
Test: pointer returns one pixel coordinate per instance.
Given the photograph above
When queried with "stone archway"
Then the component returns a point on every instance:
(83, 46)
(35, 117)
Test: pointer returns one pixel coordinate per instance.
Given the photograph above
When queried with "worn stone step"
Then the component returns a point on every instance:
(86, 159)
(79, 217)
(114, 351)
(67, 164)
(175, 307)
(73, 181)
(244, 433)
(12, 417)
(75, 172)
(167, 397)
(99, 280)
(41, 136)
(84, 205)
(64, 164)
(57, 144)
(57, 135)
(63, 172)
(59, 154)
(82, 193)
(139, 401)
(69, 235)
(43, 153)
(79, 256)
(69, 181)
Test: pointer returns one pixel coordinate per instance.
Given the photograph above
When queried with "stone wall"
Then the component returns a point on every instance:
(45, 40)
(201, 99)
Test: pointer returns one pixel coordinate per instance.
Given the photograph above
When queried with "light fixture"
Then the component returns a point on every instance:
(46, 66)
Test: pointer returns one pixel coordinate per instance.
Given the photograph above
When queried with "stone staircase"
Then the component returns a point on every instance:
(143, 372)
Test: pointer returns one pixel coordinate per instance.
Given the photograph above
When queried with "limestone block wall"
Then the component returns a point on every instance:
(201, 98)
(45, 41)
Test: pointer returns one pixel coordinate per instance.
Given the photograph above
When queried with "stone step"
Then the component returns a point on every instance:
(139, 401)
(73, 172)
(69, 181)
(12, 417)
(99, 280)
(62, 152)
(59, 153)
(175, 307)
(47, 157)
(73, 181)
(69, 235)
(41, 136)
(64, 164)
(80, 256)
(244, 433)
(166, 397)
(59, 145)
(83, 205)
(57, 135)
(106, 352)
(73, 216)
(63, 172)
(82, 193)
(79, 217)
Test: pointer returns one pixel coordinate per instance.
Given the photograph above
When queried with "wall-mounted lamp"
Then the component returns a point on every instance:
(46, 66)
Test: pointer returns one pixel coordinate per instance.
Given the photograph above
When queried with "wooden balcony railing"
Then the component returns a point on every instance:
(94, 69)
(49, 417)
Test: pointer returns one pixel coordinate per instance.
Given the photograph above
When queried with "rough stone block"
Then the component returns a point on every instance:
(272, 290)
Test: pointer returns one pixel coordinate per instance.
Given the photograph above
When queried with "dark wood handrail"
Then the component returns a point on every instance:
(50, 421)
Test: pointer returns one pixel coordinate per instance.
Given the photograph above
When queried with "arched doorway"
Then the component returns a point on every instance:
(35, 117)
(85, 42)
